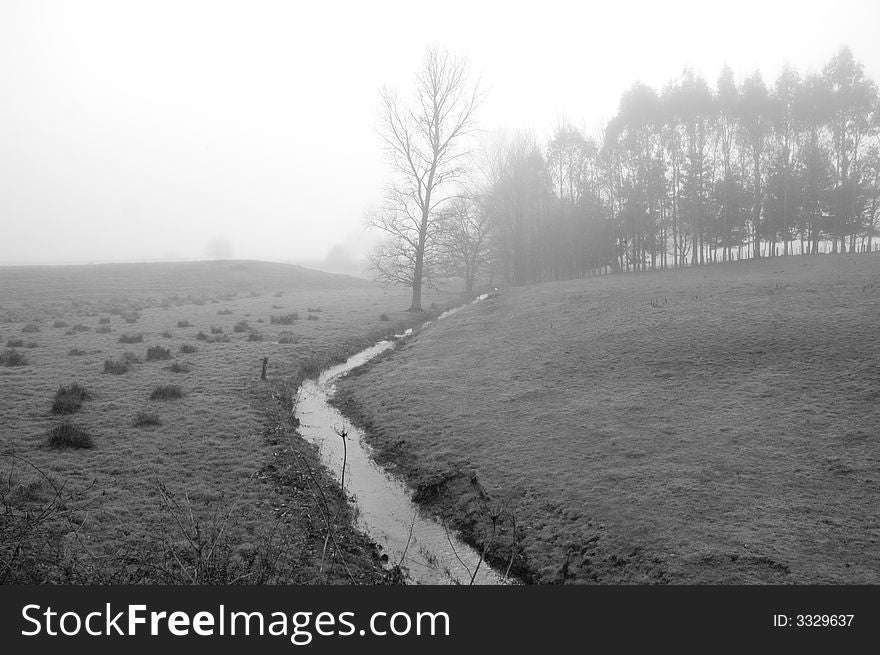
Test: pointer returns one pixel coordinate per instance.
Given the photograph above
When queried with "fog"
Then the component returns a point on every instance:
(189, 130)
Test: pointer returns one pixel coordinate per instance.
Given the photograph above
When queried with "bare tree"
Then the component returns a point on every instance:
(426, 145)
(464, 240)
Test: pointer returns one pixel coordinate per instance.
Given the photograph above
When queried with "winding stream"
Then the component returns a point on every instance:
(430, 553)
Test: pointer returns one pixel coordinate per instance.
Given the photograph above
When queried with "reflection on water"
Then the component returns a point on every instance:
(422, 545)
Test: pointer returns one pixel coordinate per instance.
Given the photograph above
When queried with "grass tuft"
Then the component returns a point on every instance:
(69, 399)
(183, 324)
(188, 349)
(116, 366)
(146, 419)
(131, 338)
(69, 435)
(284, 319)
(167, 392)
(30, 328)
(12, 357)
(157, 353)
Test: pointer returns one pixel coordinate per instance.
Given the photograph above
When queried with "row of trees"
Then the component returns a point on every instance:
(691, 175)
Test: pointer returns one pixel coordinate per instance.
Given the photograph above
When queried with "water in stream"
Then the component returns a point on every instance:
(430, 553)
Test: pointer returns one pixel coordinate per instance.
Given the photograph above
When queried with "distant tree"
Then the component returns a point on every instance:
(464, 240)
(812, 111)
(755, 116)
(853, 105)
(219, 248)
(425, 142)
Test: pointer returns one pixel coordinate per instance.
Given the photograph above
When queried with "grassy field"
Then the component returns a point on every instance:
(712, 425)
(211, 486)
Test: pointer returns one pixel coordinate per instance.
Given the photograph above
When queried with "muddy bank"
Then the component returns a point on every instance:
(310, 499)
(454, 495)
(313, 496)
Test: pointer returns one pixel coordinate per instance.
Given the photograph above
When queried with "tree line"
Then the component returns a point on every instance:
(693, 174)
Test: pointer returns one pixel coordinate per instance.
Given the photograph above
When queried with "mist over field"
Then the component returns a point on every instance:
(148, 131)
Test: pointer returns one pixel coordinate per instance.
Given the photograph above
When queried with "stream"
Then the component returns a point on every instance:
(429, 552)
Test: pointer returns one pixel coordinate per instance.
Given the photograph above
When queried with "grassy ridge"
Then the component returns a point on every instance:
(709, 425)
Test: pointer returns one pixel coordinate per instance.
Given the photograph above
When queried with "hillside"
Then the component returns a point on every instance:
(35, 292)
(716, 424)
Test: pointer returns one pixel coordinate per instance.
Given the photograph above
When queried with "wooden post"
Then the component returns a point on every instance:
(265, 364)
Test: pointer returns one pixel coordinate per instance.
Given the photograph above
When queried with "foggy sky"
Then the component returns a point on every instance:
(149, 130)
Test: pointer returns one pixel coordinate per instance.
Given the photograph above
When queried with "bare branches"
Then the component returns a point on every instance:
(425, 144)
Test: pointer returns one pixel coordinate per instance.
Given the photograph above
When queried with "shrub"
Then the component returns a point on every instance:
(284, 319)
(167, 335)
(76, 352)
(220, 338)
(183, 324)
(59, 324)
(315, 310)
(216, 330)
(201, 336)
(15, 343)
(30, 328)
(167, 392)
(177, 367)
(69, 399)
(79, 327)
(131, 358)
(156, 353)
(131, 338)
(384, 317)
(116, 366)
(104, 321)
(104, 329)
(188, 348)
(241, 326)
(287, 337)
(12, 357)
(255, 336)
(31, 344)
(145, 419)
(224, 312)
(69, 435)
(312, 317)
